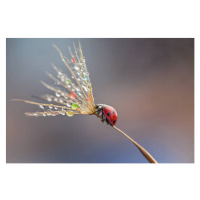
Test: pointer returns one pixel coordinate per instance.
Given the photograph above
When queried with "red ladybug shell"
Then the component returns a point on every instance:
(111, 114)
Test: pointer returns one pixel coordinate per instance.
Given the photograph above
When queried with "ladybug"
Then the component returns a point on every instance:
(106, 113)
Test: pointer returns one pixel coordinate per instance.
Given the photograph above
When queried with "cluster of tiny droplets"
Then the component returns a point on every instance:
(75, 98)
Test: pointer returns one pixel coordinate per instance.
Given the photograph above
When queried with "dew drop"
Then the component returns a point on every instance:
(75, 106)
(84, 88)
(76, 68)
(86, 78)
(54, 113)
(68, 105)
(68, 81)
(49, 99)
(57, 94)
(48, 114)
(72, 95)
(41, 106)
(73, 60)
(70, 113)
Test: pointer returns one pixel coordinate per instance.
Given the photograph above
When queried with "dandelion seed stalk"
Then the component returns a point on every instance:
(145, 153)
(76, 97)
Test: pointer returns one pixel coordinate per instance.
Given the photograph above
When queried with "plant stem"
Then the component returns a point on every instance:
(146, 154)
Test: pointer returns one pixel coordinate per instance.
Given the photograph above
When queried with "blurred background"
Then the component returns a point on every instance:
(150, 82)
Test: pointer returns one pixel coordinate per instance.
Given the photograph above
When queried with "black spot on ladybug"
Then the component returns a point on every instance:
(108, 114)
(114, 121)
(113, 111)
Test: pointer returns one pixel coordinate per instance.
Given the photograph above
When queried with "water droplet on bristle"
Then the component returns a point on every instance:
(49, 99)
(76, 68)
(57, 94)
(73, 60)
(72, 95)
(75, 106)
(86, 78)
(41, 106)
(70, 113)
(68, 105)
(68, 81)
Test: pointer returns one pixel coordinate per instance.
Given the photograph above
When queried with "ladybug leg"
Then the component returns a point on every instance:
(102, 115)
(108, 122)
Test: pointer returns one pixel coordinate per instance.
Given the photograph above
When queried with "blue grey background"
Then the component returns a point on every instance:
(150, 82)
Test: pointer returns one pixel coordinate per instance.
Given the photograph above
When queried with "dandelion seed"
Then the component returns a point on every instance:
(81, 101)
